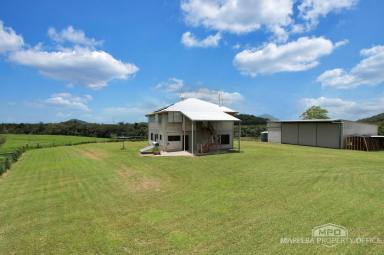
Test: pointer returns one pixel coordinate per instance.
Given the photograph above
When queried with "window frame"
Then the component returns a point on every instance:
(174, 140)
(227, 138)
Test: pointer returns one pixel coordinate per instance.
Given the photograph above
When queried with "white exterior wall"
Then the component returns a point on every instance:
(274, 132)
(351, 128)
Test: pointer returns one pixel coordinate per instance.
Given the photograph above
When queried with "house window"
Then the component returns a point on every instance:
(151, 136)
(174, 138)
(156, 136)
(224, 139)
(161, 137)
(174, 117)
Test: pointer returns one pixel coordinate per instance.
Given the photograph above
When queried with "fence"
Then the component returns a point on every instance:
(364, 143)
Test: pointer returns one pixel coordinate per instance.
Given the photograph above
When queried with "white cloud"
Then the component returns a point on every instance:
(339, 108)
(69, 101)
(177, 88)
(312, 10)
(368, 72)
(239, 16)
(276, 16)
(189, 40)
(73, 36)
(9, 40)
(172, 85)
(295, 56)
(227, 98)
(78, 66)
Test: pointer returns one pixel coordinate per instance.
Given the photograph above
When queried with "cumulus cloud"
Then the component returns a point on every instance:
(77, 66)
(178, 88)
(368, 72)
(276, 16)
(226, 98)
(67, 100)
(340, 108)
(299, 55)
(239, 16)
(9, 40)
(172, 85)
(72, 35)
(189, 40)
(312, 10)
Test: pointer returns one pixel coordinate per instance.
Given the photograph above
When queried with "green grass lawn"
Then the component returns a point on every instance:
(99, 199)
(16, 141)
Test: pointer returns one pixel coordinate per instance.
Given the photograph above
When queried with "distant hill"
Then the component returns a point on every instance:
(374, 119)
(75, 121)
(268, 117)
(249, 119)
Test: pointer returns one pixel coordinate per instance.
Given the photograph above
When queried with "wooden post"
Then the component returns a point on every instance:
(366, 145)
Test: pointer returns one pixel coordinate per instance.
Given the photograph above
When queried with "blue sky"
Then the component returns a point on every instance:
(104, 61)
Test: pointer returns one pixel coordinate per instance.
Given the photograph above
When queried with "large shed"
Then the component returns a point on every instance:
(329, 133)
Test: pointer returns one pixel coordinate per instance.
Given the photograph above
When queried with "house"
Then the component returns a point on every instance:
(193, 125)
(329, 133)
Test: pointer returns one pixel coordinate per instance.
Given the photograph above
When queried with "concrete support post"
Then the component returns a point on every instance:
(239, 134)
(183, 132)
(192, 138)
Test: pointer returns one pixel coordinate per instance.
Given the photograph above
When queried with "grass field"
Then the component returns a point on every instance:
(16, 141)
(99, 199)
(11, 146)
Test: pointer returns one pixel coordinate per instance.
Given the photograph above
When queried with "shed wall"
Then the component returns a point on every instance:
(328, 135)
(311, 134)
(307, 134)
(290, 133)
(274, 132)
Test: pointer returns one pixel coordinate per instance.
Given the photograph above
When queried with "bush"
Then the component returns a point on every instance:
(2, 140)
(381, 129)
(7, 164)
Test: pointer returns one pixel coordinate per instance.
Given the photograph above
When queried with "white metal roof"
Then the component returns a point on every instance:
(200, 110)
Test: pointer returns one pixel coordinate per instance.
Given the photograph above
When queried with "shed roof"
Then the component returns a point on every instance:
(200, 110)
(311, 120)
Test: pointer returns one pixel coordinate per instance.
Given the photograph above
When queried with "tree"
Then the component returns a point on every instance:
(314, 112)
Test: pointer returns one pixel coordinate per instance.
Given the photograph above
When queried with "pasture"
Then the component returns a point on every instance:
(99, 199)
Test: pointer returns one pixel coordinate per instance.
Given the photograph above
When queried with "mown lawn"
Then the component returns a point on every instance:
(15, 141)
(99, 199)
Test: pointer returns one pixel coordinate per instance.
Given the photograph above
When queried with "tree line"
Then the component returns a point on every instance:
(77, 128)
(251, 127)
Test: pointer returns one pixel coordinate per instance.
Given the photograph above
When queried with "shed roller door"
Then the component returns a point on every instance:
(289, 133)
(328, 135)
(307, 134)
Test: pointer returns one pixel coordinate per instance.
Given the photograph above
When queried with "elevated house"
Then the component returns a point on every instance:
(193, 125)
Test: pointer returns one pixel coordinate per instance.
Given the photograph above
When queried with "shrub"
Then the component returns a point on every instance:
(2, 140)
